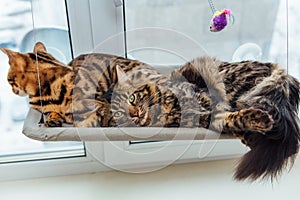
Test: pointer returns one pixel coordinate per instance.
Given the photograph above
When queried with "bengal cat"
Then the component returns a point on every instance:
(97, 90)
(68, 93)
(263, 86)
(177, 103)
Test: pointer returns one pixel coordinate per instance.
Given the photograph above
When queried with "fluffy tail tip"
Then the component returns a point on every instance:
(267, 159)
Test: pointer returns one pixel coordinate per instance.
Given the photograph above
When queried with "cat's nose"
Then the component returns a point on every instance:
(10, 80)
(133, 112)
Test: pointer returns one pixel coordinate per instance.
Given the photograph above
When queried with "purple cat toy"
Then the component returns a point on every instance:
(219, 21)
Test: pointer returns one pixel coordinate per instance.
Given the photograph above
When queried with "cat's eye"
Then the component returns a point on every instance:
(131, 98)
(118, 114)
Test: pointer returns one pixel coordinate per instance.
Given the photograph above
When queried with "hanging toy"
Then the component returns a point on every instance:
(220, 18)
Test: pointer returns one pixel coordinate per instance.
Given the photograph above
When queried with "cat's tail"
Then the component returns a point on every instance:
(271, 153)
(204, 73)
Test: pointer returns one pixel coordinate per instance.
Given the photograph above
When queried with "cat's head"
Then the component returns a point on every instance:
(131, 104)
(23, 72)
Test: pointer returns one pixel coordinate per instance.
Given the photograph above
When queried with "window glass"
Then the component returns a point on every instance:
(258, 31)
(22, 23)
(264, 30)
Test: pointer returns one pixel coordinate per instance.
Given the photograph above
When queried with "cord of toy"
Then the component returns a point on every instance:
(37, 68)
(212, 7)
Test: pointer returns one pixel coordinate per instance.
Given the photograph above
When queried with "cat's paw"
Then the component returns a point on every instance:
(53, 120)
(86, 123)
(92, 120)
(256, 120)
(53, 123)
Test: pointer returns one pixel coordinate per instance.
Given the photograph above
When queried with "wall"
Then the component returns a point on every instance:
(206, 180)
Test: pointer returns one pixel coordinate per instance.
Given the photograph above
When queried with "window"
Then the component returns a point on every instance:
(159, 32)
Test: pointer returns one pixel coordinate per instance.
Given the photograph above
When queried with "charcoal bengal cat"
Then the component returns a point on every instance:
(84, 91)
(262, 86)
(177, 103)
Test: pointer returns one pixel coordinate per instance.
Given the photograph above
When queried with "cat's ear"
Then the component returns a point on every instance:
(121, 76)
(8, 52)
(39, 47)
(15, 58)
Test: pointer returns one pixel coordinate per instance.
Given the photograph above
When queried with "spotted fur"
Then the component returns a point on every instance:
(56, 81)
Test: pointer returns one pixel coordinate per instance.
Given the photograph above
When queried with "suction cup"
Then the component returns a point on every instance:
(247, 51)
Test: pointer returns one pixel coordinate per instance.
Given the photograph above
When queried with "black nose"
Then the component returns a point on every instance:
(10, 80)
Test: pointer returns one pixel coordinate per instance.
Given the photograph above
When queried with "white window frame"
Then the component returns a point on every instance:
(92, 22)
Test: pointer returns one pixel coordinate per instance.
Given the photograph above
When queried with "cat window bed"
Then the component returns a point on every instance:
(33, 130)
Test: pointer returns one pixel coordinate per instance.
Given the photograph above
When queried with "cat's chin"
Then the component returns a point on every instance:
(141, 122)
(20, 92)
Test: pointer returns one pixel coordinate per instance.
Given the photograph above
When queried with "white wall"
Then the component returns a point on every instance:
(206, 180)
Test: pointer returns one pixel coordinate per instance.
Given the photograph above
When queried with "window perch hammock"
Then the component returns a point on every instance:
(33, 130)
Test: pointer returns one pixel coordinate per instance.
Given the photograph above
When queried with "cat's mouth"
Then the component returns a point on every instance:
(140, 116)
(141, 121)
